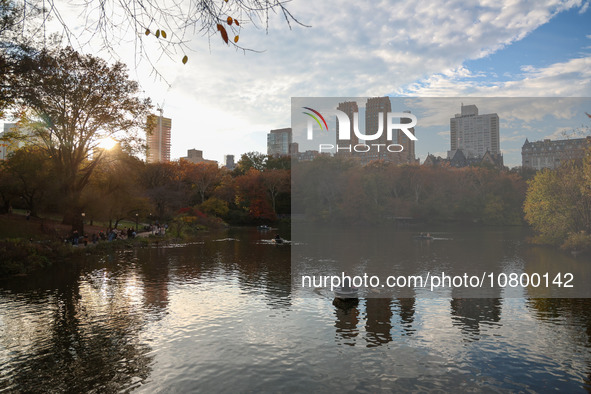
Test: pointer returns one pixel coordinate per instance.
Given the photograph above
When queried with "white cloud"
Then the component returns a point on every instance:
(559, 134)
(352, 49)
(506, 138)
(356, 50)
(566, 79)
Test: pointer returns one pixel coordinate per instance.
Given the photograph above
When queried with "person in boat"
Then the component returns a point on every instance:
(278, 239)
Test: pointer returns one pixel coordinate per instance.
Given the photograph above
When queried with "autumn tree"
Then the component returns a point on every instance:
(318, 186)
(164, 186)
(72, 101)
(115, 192)
(275, 182)
(9, 187)
(226, 188)
(334, 189)
(251, 196)
(30, 176)
(558, 205)
(202, 177)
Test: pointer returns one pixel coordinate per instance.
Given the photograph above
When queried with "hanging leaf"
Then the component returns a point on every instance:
(223, 32)
(185, 59)
(230, 20)
(236, 39)
(163, 34)
(236, 22)
(157, 33)
(147, 32)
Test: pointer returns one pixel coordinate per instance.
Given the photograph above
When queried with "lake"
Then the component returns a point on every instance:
(220, 314)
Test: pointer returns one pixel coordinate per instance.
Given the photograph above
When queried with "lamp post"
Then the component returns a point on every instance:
(82, 226)
(136, 218)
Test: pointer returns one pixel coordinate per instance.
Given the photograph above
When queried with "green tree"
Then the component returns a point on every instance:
(281, 162)
(215, 206)
(249, 160)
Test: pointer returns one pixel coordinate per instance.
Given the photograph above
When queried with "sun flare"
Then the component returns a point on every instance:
(107, 143)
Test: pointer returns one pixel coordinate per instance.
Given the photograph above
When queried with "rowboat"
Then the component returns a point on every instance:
(346, 293)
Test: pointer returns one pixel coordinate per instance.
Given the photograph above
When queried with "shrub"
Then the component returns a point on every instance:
(580, 241)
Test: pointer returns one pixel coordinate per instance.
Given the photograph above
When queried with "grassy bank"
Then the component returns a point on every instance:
(30, 245)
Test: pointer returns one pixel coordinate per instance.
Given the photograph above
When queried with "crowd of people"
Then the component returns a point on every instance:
(112, 235)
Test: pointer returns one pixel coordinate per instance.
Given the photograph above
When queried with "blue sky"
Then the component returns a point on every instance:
(426, 48)
(564, 37)
(225, 101)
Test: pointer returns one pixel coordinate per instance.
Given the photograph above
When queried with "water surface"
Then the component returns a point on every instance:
(220, 315)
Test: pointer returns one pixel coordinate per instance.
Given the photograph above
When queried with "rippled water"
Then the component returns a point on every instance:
(220, 315)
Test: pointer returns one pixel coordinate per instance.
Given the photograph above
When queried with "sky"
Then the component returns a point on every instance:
(225, 101)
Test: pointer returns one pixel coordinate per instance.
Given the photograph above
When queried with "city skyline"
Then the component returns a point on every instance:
(511, 49)
(519, 118)
(499, 60)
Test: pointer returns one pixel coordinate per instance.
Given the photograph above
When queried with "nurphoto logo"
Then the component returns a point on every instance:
(393, 122)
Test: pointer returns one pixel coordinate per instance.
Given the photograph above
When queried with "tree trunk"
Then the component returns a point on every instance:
(73, 216)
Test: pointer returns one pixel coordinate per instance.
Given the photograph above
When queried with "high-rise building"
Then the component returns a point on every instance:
(377, 108)
(474, 134)
(279, 141)
(196, 156)
(5, 145)
(376, 111)
(229, 162)
(344, 147)
(158, 138)
(8, 142)
(408, 154)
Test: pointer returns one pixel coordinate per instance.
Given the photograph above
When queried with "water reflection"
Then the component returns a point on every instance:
(347, 319)
(220, 314)
(407, 314)
(154, 280)
(378, 325)
(79, 336)
(469, 314)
